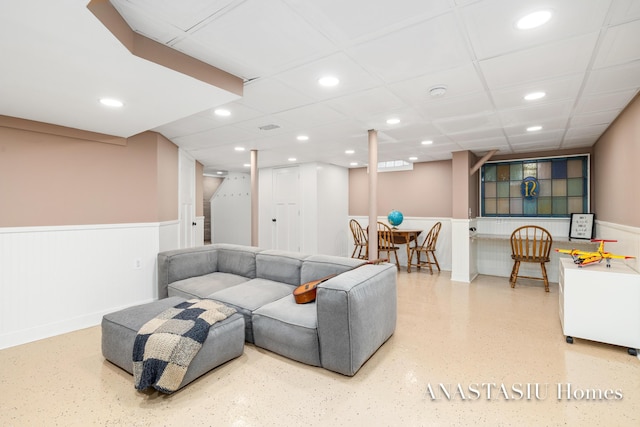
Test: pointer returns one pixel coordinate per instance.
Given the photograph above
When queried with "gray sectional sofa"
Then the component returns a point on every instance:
(353, 315)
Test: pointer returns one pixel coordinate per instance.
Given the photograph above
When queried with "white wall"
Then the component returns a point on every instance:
(231, 210)
(332, 210)
(324, 206)
(59, 279)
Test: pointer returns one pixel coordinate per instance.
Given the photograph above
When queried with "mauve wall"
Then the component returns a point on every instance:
(426, 191)
(616, 159)
(50, 180)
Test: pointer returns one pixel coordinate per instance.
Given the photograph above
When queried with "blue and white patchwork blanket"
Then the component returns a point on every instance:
(166, 345)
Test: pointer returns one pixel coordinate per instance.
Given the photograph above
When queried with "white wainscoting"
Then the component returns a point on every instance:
(628, 241)
(59, 279)
(443, 246)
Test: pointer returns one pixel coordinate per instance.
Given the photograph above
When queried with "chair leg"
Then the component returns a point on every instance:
(544, 276)
(433, 253)
(354, 251)
(514, 273)
(428, 261)
(397, 261)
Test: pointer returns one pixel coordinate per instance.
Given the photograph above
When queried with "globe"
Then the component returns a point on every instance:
(395, 218)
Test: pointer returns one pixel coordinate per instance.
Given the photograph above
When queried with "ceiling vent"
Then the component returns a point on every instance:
(269, 127)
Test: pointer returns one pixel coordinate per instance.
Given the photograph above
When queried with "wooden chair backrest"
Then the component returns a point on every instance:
(430, 241)
(531, 243)
(385, 236)
(359, 236)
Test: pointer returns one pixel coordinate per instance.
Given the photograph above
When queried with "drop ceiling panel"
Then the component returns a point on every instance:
(468, 123)
(352, 76)
(492, 30)
(614, 79)
(423, 48)
(214, 137)
(284, 37)
(347, 21)
(601, 117)
(272, 96)
(184, 14)
(437, 108)
(536, 114)
(469, 137)
(498, 143)
(624, 11)
(208, 120)
(362, 105)
(565, 88)
(458, 81)
(540, 63)
(311, 115)
(604, 102)
(588, 131)
(415, 133)
(147, 22)
(615, 48)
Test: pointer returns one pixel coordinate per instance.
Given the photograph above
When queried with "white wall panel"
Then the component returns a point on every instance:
(58, 279)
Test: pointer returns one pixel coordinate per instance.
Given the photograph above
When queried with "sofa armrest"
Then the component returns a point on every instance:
(357, 313)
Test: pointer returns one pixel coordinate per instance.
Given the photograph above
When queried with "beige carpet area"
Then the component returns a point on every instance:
(487, 345)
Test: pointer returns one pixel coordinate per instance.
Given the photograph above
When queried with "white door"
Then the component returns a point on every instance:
(286, 211)
(186, 199)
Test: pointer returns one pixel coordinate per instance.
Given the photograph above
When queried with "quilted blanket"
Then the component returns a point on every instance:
(165, 346)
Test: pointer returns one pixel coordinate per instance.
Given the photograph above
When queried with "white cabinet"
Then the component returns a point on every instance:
(600, 304)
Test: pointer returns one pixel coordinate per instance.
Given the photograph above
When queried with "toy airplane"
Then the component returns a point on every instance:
(583, 258)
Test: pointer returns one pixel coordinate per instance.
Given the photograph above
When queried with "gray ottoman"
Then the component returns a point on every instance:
(224, 342)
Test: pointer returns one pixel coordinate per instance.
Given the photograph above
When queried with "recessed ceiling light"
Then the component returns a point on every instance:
(302, 138)
(222, 112)
(533, 20)
(353, 164)
(220, 172)
(393, 121)
(427, 142)
(534, 95)
(534, 128)
(328, 81)
(111, 102)
(247, 165)
(292, 159)
(349, 152)
(413, 158)
(239, 148)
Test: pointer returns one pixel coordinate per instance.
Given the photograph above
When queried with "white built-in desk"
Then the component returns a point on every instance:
(493, 255)
(600, 304)
(557, 241)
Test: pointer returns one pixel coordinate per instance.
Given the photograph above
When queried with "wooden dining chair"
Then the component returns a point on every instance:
(428, 248)
(360, 240)
(386, 242)
(530, 243)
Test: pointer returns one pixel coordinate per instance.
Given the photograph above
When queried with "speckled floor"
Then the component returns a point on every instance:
(452, 336)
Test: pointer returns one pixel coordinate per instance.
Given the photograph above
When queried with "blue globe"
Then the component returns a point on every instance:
(395, 218)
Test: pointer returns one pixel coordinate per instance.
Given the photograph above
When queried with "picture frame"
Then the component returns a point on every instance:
(581, 226)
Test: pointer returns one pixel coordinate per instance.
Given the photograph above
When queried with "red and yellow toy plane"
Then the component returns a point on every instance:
(583, 258)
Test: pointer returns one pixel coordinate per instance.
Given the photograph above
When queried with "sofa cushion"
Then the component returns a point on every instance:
(289, 329)
(251, 295)
(201, 286)
(318, 266)
(236, 259)
(280, 266)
